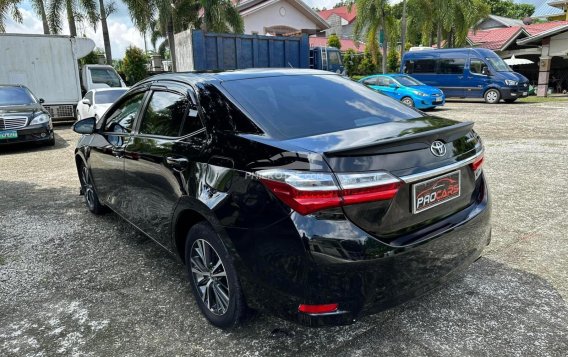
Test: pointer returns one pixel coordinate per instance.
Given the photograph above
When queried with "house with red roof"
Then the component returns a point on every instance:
(341, 21)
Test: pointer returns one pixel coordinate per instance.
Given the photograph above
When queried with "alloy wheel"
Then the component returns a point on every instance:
(88, 188)
(210, 277)
(407, 101)
(492, 96)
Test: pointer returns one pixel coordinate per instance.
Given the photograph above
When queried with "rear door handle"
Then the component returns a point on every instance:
(177, 163)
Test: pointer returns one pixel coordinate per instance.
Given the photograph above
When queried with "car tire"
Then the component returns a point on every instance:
(89, 193)
(492, 96)
(513, 100)
(213, 277)
(408, 101)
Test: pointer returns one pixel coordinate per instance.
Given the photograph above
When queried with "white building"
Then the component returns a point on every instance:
(279, 17)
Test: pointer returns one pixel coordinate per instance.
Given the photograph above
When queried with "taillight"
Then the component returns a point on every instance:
(307, 192)
(476, 166)
(318, 309)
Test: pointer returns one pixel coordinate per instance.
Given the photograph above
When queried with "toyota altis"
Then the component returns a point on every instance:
(297, 192)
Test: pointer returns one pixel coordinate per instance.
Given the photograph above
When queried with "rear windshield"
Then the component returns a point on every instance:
(290, 107)
(15, 96)
(108, 96)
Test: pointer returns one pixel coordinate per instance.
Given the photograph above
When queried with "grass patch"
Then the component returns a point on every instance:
(357, 77)
(535, 99)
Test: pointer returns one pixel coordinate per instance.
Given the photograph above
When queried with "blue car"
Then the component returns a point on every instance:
(406, 89)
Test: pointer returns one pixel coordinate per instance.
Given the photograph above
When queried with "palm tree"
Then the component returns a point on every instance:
(12, 7)
(77, 10)
(9, 7)
(105, 11)
(372, 17)
(179, 15)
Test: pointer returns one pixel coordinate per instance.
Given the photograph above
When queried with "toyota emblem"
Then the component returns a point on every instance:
(438, 148)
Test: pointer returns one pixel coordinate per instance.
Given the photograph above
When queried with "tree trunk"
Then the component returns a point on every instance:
(41, 6)
(71, 18)
(171, 43)
(403, 30)
(431, 39)
(106, 38)
(439, 36)
(385, 50)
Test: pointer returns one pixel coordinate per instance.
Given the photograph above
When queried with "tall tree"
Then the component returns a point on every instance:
(104, 11)
(77, 10)
(373, 16)
(9, 7)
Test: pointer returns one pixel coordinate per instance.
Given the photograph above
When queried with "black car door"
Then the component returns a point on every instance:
(167, 144)
(106, 158)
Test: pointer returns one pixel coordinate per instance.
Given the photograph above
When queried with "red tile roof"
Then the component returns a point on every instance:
(342, 11)
(345, 44)
(495, 39)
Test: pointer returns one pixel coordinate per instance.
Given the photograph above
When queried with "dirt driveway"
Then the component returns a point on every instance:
(75, 284)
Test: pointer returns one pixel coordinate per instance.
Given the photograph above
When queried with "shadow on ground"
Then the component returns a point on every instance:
(73, 283)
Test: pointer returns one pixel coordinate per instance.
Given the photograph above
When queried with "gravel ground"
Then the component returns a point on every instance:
(75, 284)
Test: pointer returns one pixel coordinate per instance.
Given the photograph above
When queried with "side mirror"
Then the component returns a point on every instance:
(86, 102)
(85, 126)
(41, 100)
(485, 71)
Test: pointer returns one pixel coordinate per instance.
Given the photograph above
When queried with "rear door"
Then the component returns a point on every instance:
(451, 70)
(167, 143)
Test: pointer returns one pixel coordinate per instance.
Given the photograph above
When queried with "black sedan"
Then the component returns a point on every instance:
(299, 192)
(22, 117)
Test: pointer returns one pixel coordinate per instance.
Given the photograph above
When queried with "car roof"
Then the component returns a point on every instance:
(231, 75)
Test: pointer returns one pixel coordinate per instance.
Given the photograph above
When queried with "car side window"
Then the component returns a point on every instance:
(122, 118)
(451, 66)
(476, 65)
(165, 114)
(370, 81)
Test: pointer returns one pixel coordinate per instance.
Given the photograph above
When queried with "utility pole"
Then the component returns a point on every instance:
(403, 30)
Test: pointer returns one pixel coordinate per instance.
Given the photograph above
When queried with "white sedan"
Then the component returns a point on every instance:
(96, 102)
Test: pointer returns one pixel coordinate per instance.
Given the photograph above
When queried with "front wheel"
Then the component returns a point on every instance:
(213, 277)
(492, 96)
(91, 198)
(407, 101)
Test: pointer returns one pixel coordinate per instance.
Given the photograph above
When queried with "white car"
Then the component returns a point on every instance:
(96, 102)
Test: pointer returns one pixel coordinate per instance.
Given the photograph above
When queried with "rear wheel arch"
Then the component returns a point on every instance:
(185, 219)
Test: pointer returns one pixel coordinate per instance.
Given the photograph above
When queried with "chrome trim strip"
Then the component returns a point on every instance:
(441, 170)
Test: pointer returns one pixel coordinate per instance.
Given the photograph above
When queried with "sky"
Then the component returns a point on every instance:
(122, 32)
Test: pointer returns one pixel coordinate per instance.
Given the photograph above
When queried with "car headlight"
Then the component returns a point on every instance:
(417, 92)
(40, 119)
(511, 82)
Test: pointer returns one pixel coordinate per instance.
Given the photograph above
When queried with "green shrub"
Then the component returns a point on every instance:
(134, 65)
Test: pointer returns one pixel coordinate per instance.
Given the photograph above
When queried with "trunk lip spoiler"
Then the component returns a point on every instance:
(439, 133)
(441, 170)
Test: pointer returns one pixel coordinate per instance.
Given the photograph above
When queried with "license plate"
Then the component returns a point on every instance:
(525, 94)
(436, 191)
(438, 99)
(8, 134)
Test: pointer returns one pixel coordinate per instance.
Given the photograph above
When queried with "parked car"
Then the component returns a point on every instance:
(23, 118)
(406, 89)
(467, 73)
(299, 192)
(96, 102)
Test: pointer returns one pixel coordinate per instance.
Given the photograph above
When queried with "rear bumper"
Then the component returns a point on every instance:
(347, 266)
(33, 133)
